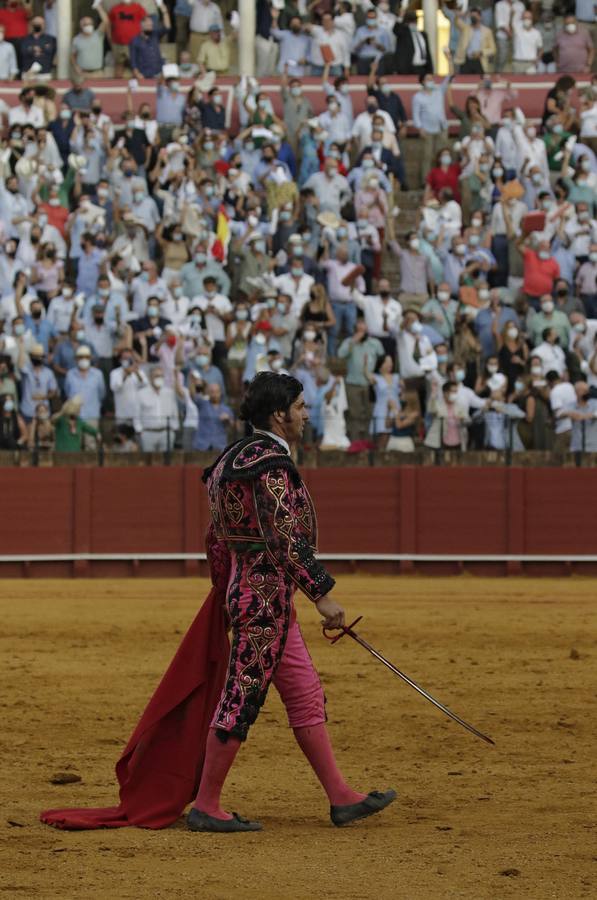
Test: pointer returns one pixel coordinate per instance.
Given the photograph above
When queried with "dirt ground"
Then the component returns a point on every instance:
(517, 658)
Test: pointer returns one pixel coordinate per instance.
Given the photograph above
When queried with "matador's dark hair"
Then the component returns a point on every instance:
(266, 394)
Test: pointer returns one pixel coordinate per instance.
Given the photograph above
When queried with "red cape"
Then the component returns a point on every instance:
(160, 768)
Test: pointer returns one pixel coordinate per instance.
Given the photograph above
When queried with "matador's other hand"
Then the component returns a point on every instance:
(332, 612)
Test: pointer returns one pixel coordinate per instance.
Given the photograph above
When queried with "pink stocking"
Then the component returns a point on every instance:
(314, 741)
(219, 757)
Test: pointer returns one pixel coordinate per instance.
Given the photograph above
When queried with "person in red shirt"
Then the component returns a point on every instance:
(56, 213)
(445, 173)
(14, 16)
(540, 271)
(125, 24)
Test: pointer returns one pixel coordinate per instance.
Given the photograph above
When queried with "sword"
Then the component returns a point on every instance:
(348, 629)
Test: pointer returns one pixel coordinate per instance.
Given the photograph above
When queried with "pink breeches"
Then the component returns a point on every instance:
(266, 645)
(298, 683)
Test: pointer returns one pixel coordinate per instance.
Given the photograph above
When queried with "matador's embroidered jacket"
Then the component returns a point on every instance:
(256, 496)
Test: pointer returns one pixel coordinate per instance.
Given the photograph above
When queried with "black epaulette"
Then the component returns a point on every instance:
(251, 457)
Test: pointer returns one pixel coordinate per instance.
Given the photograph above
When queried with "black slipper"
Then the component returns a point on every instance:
(373, 803)
(200, 821)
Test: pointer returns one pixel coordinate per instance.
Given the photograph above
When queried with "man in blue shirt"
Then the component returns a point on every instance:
(294, 46)
(429, 116)
(41, 329)
(490, 322)
(170, 107)
(88, 382)
(370, 43)
(146, 56)
(38, 384)
(215, 419)
(90, 260)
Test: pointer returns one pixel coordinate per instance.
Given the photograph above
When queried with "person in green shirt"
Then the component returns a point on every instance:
(69, 428)
(361, 352)
(554, 139)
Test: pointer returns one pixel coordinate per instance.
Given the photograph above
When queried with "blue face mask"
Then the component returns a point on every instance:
(285, 215)
(459, 375)
(296, 272)
(144, 276)
(200, 258)
(202, 360)
(442, 357)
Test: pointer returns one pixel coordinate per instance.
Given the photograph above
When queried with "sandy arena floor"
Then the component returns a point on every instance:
(518, 658)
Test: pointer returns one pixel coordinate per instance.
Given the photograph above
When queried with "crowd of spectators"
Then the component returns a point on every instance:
(153, 261)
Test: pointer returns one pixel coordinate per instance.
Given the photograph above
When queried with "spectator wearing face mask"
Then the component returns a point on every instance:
(294, 46)
(586, 283)
(39, 47)
(87, 48)
(429, 117)
(13, 431)
(238, 334)
(584, 420)
(449, 419)
(491, 322)
(8, 58)
(527, 45)
(215, 418)
(86, 381)
(444, 174)
(157, 420)
(573, 48)
(145, 55)
(38, 383)
(370, 42)
(217, 310)
(202, 266)
(383, 315)
(550, 318)
(540, 271)
(125, 383)
(513, 354)
(415, 272)
(412, 55)
(562, 400)
(550, 353)
(334, 122)
(476, 45)
(440, 311)
(361, 352)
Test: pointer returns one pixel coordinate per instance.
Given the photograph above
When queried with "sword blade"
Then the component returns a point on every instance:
(417, 687)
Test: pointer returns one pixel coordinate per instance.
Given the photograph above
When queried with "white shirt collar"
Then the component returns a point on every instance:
(275, 437)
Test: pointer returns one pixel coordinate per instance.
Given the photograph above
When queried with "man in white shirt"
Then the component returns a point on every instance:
(328, 35)
(506, 13)
(562, 399)
(505, 145)
(362, 128)
(13, 206)
(8, 59)
(383, 315)
(125, 383)
(581, 232)
(553, 358)
(331, 188)
(416, 355)
(26, 113)
(156, 421)
(341, 295)
(218, 312)
(334, 122)
(295, 284)
(62, 311)
(527, 45)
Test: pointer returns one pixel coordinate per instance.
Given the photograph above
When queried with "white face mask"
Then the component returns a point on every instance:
(571, 27)
(414, 243)
(158, 382)
(83, 363)
(309, 335)
(512, 333)
(492, 368)
(547, 307)
(443, 296)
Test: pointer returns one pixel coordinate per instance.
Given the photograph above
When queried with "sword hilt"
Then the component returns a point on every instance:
(345, 629)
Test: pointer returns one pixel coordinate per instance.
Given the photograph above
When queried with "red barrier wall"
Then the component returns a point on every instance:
(404, 510)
